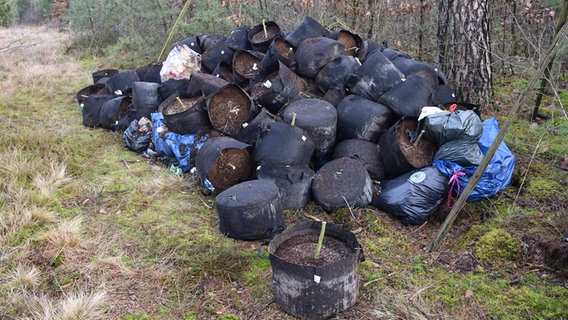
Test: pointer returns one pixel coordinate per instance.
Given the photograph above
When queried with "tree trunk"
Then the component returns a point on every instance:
(464, 49)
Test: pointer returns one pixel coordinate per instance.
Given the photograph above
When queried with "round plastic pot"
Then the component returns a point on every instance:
(223, 162)
(320, 289)
(194, 43)
(88, 91)
(261, 35)
(280, 50)
(318, 118)
(112, 111)
(407, 98)
(294, 183)
(276, 87)
(246, 65)
(224, 71)
(283, 144)
(217, 54)
(342, 183)
(333, 74)
(365, 150)
(92, 108)
(314, 53)
(145, 98)
(189, 117)
(252, 130)
(399, 154)
(250, 210)
(204, 83)
(105, 73)
(229, 108)
(351, 41)
(413, 67)
(172, 86)
(238, 39)
(208, 41)
(122, 81)
(150, 73)
(308, 28)
(361, 118)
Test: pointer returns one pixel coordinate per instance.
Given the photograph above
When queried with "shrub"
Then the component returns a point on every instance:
(5, 13)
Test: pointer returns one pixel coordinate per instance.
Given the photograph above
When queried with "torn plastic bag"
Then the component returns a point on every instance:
(138, 135)
(496, 177)
(175, 146)
(414, 196)
(180, 64)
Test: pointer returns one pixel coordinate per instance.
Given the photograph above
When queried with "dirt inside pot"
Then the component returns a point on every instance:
(418, 156)
(232, 166)
(284, 49)
(349, 42)
(301, 249)
(271, 32)
(175, 107)
(229, 109)
(246, 65)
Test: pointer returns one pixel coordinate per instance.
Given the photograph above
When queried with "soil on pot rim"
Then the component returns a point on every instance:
(232, 166)
(259, 37)
(284, 49)
(301, 249)
(175, 107)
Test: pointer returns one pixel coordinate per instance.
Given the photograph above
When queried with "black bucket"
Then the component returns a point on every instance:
(192, 42)
(314, 53)
(283, 144)
(122, 81)
(318, 118)
(93, 89)
(223, 162)
(333, 74)
(280, 50)
(223, 71)
(312, 290)
(101, 74)
(334, 96)
(214, 56)
(360, 118)
(294, 183)
(261, 35)
(150, 73)
(367, 47)
(308, 28)
(252, 130)
(145, 98)
(238, 39)
(342, 183)
(246, 65)
(208, 41)
(250, 210)
(189, 117)
(407, 98)
(204, 83)
(399, 153)
(410, 66)
(91, 109)
(352, 42)
(112, 111)
(229, 108)
(276, 87)
(365, 150)
(172, 86)
(375, 76)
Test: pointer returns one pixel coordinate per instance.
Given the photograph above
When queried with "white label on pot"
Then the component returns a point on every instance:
(317, 278)
(304, 138)
(267, 84)
(417, 177)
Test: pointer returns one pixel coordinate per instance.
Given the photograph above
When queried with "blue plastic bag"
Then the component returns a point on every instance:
(496, 177)
(174, 145)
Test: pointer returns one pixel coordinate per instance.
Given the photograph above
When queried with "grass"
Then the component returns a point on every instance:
(90, 230)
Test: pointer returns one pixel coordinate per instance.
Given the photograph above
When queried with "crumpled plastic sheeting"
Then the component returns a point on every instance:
(173, 145)
(498, 174)
(181, 63)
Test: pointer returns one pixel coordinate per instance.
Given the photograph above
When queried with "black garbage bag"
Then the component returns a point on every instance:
(414, 196)
(462, 152)
(138, 135)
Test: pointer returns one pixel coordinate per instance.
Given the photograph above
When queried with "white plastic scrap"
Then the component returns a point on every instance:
(181, 63)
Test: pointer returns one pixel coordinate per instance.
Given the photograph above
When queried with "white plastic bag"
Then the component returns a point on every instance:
(180, 64)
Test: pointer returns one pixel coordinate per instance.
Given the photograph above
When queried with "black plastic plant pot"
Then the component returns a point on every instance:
(246, 65)
(280, 50)
(112, 111)
(252, 130)
(122, 81)
(400, 154)
(283, 144)
(407, 98)
(184, 114)
(229, 108)
(208, 41)
(312, 288)
(145, 98)
(217, 54)
(105, 73)
(314, 53)
(204, 83)
(223, 162)
(413, 67)
(352, 42)
(374, 77)
(361, 118)
(224, 71)
(194, 43)
(238, 39)
(333, 74)
(365, 150)
(334, 96)
(294, 183)
(276, 87)
(92, 108)
(446, 95)
(172, 86)
(308, 28)
(367, 47)
(342, 183)
(88, 91)
(150, 73)
(250, 210)
(318, 118)
(261, 35)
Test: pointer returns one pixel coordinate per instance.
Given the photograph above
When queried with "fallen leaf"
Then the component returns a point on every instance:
(468, 293)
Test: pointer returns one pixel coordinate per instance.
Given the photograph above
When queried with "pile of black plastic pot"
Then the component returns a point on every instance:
(277, 119)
